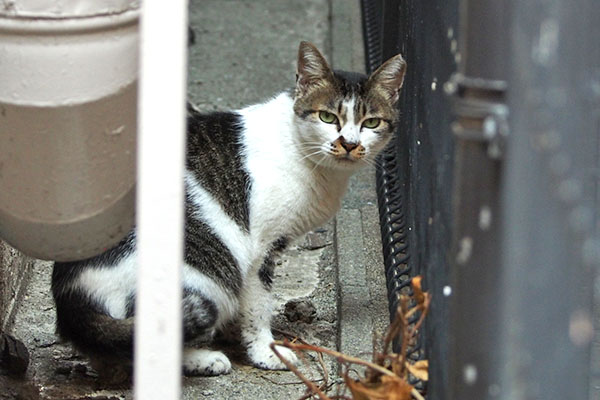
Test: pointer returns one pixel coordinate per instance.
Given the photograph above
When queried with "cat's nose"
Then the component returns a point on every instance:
(348, 146)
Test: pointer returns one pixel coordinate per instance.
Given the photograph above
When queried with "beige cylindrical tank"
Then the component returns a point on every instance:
(68, 98)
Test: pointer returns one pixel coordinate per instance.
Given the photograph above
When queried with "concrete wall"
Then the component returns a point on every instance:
(15, 269)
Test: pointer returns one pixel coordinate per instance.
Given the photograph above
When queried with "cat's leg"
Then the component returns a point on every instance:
(199, 318)
(256, 310)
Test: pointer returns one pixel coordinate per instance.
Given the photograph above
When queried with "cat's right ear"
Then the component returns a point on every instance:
(389, 78)
(312, 70)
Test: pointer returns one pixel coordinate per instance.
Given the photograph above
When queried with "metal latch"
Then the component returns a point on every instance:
(481, 113)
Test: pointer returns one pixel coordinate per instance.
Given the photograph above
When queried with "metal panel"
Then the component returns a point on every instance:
(475, 274)
(549, 246)
(427, 33)
(415, 178)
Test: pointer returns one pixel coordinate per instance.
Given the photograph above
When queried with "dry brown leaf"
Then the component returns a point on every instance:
(386, 378)
(419, 369)
(397, 366)
(388, 388)
(419, 296)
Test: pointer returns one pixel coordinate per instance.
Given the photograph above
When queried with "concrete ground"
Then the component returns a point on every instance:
(330, 285)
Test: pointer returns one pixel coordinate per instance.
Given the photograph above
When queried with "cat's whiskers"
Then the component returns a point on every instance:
(311, 154)
(368, 161)
(313, 143)
(318, 164)
(375, 163)
(319, 147)
(311, 147)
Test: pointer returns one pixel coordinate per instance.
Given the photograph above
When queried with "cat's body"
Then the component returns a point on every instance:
(255, 180)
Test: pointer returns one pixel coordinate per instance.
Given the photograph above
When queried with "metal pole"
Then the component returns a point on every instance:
(161, 146)
(479, 128)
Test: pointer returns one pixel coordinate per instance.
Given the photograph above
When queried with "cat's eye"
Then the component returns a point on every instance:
(371, 123)
(327, 117)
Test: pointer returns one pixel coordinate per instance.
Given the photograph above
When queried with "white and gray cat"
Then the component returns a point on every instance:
(256, 179)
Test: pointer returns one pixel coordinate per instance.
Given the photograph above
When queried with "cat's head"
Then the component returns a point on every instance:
(345, 118)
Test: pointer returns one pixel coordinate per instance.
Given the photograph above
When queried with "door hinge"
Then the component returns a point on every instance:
(480, 111)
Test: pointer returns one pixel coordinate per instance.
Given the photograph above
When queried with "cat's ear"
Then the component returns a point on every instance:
(388, 78)
(312, 70)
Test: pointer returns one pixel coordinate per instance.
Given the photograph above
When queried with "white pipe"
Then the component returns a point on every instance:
(161, 150)
(68, 95)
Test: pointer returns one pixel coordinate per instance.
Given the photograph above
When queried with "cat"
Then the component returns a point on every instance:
(255, 180)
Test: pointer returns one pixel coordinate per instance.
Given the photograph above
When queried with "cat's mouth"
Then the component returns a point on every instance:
(338, 154)
(346, 152)
(346, 161)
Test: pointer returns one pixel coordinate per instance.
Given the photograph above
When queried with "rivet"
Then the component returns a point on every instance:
(470, 374)
(465, 249)
(485, 218)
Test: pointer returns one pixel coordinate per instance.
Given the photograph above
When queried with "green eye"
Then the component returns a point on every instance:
(372, 123)
(327, 117)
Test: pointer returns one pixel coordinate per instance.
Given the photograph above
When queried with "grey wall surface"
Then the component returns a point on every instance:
(14, 271)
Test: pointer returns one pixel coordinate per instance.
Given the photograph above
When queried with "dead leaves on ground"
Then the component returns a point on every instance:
(419, 369)
(387, 375)
(387, 388)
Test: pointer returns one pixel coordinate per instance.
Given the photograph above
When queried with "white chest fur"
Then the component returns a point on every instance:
(289, 195)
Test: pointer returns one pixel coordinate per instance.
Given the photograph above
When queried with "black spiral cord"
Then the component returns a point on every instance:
(391, 192)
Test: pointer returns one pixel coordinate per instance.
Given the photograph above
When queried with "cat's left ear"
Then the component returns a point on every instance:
(389, 77)
(312, 70)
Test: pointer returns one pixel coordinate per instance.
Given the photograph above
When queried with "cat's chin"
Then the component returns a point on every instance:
(346, 161)
(345, 164)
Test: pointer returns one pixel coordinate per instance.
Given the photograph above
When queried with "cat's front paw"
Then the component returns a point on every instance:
(263, 357)
(205, 362)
